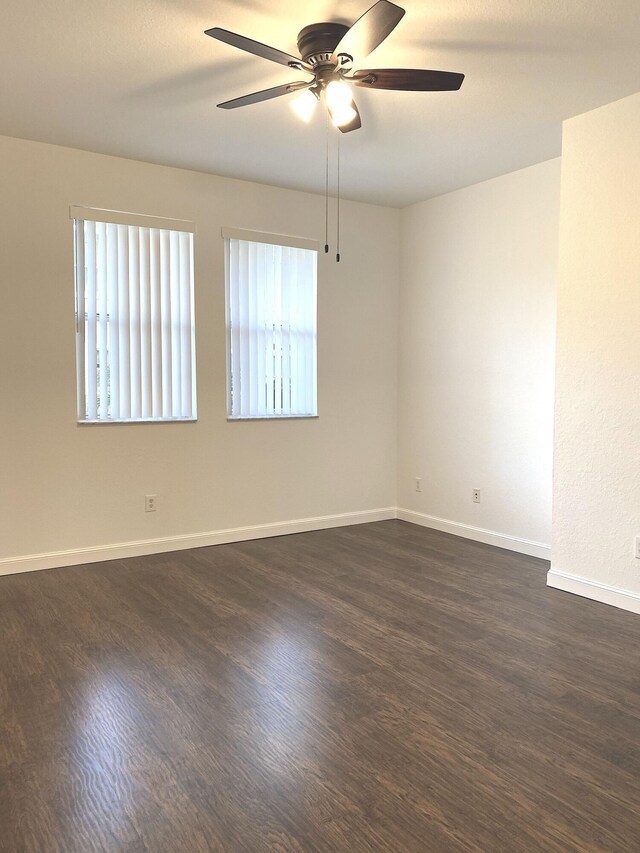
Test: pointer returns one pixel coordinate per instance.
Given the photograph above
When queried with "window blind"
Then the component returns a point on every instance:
(135, 319)
(271, 329)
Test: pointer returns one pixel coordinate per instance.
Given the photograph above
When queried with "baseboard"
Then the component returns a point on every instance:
(121, 550)
(602, 592)
(478, 534)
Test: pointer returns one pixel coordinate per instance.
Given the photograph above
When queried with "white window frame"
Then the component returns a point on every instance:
(242, 409)
(160, 362)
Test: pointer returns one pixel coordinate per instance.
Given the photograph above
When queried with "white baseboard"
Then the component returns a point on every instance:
(602, 592)
(122, 550)
(74, 557)
(478, 534)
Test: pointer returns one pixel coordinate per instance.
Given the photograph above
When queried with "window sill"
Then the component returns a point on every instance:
(273, 418)
(115, 422)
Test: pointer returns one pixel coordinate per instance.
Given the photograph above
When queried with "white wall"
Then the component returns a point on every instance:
(64, 487)
(476, 358)
(596, 493)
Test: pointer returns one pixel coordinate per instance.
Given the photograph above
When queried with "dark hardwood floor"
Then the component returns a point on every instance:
(373, 688)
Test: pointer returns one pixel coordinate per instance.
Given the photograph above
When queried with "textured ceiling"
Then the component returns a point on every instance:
(141, 80)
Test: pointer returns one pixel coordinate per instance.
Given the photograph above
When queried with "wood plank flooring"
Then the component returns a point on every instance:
(374, 688)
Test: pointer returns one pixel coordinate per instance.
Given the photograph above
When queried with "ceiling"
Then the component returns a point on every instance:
(141, 80)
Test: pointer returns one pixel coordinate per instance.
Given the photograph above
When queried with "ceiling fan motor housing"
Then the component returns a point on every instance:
(317, 42)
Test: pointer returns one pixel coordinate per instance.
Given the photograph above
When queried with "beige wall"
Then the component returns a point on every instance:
(67, 487)
(596, 493)
(476, 359)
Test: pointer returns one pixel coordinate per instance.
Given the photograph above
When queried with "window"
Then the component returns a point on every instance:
(134, 317)
(271, 325)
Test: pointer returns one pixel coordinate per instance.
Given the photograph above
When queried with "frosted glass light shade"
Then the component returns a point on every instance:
(338, 94)
(340, 103)
(342, 115)
(304, 105)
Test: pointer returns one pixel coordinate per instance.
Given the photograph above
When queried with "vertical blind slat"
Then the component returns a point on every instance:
(91, 337)
(260, 335)
(122, 321)
(155, 326)
(145, 323)
(165, 320)
(113, 330)
(234, 322)
(101, 307)
(185, 321)
(80, 316)
(304, 306)
(252, 309)
(297, 367)
(277, 337)
(269, 326)
(192, 331)
(311, 339)
(134, 322)
(243, 318)
(287, 336)
(176, 351)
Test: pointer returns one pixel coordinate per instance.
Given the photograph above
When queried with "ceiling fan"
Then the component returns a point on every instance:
(328, 51)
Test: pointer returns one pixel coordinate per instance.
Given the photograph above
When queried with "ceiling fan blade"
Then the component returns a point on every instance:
(266, 95)
(354, 124)
(257, 48)
(408, 79)
(369, 30)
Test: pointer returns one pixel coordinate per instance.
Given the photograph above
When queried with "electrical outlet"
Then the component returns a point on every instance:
(476, 496)
(418, 484)
(150, 503)
(637, 548)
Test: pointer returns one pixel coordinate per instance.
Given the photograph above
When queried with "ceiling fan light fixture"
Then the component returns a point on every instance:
(304, 105)
(338, 95)
(342, 115)
(340, 103)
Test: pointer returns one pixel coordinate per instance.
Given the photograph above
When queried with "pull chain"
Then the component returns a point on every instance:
(326, 193)
(338, 209)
